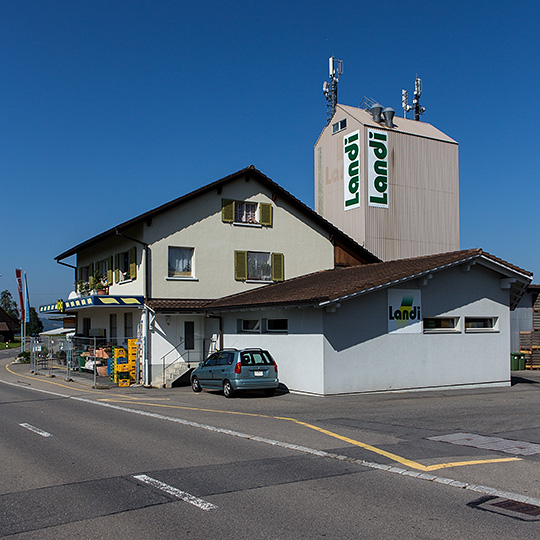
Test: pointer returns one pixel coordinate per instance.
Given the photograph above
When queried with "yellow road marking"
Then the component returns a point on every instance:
(394, 457)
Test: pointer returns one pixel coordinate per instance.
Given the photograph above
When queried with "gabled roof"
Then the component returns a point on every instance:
(331, 286)
(253, 174)
(401, 125)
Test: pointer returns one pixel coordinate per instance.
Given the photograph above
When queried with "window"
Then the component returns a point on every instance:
(128, 325)
(276, 325)
(249, 325)
(441, 324)
(480, 324)
(339, 126)
(126, 265)
(189, 335)
(256, 358)
(84, 273)
(113, 327)
(180, 262)
(86, 324)
(246, 212)
(258, 266)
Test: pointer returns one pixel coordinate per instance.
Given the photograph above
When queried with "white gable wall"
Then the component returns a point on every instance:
(198, 225)
(298, 354)
(360, 355)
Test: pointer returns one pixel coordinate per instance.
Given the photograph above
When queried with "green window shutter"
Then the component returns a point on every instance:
(240, 265)
(117, 268)
(227, 211)
(133, 263)
(278, 272)
(91, 279)
(265, 214)
(110, 271)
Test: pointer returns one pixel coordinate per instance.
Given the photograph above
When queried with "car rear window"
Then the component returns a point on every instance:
(256, 358)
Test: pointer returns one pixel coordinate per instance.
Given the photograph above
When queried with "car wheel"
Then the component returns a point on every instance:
(269, 392)
(196, 385)
(228, 390)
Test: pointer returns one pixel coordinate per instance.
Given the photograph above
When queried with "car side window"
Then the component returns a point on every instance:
(223, 359)
(211, 361)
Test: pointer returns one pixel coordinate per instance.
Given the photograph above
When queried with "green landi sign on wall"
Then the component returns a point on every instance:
(377, 169)
(351, 166)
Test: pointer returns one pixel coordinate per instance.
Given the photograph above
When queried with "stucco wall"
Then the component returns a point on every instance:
(298, 354)
(198, 225)
(361, 356)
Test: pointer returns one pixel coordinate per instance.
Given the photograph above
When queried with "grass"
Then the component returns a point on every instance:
(12, 345)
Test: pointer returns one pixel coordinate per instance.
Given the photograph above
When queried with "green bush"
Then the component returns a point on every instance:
(24, 357)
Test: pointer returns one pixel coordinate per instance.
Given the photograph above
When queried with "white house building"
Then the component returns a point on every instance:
(241, 262)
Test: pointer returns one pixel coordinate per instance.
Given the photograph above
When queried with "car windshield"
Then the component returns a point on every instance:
(256, 358)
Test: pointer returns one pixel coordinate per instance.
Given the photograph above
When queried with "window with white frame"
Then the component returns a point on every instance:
(180, 263)
(249, 325)
(246, 213)
(258, 266)
(276, 325)
(481, 324)
(339, 126)
(441, 324)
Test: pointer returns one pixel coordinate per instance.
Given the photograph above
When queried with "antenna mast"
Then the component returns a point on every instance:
(418, 109)
(335, 69)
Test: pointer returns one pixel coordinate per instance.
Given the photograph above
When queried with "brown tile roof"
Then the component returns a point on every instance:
(179, 304)
(333, 285)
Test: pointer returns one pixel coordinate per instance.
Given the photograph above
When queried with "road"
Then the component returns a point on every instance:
(146, 463)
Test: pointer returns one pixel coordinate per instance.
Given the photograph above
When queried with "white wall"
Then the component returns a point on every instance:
(198, 225)
(298, 354)
(361, 356)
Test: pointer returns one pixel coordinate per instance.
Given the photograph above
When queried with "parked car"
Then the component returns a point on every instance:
(232, 370)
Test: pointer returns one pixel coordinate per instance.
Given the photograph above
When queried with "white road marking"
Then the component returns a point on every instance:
(321, 453)
(36, 430)
(187, 497)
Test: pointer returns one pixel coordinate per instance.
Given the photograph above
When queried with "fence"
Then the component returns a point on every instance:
(87, 357)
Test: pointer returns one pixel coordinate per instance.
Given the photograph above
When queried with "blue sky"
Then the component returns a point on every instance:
(110, 108)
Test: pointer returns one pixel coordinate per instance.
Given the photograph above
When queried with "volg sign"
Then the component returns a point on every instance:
(377, 168)
(351, 165)
(404, 311)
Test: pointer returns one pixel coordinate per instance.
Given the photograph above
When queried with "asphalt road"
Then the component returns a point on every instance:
(146, 463)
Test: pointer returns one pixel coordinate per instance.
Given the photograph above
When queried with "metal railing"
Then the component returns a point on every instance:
(187, 358)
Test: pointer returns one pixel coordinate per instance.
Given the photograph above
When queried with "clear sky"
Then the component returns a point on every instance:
(111, 108)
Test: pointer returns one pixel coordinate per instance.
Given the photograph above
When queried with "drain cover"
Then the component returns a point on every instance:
(507, 507)
(520, 507)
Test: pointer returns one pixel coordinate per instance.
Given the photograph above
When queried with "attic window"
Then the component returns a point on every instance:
(339, 126)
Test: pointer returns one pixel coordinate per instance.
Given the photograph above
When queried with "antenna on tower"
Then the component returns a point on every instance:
(418, 109)
(335, 69)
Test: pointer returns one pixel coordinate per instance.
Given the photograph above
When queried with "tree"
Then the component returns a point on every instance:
(9, 305)
(34, 326)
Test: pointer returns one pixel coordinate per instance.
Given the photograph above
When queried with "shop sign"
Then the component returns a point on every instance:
(377, 168)
(404, 311)
(351, 166)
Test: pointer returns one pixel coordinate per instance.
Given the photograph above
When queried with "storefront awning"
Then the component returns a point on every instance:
(75, 304)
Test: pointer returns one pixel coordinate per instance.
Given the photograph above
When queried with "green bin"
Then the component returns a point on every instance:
(521, 362)
(514, 363)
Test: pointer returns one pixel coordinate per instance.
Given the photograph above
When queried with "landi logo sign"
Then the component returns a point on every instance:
(351, 163)
(404, 311)
(377, 169)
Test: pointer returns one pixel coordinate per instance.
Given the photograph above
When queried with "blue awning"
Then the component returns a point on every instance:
(75, 304)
